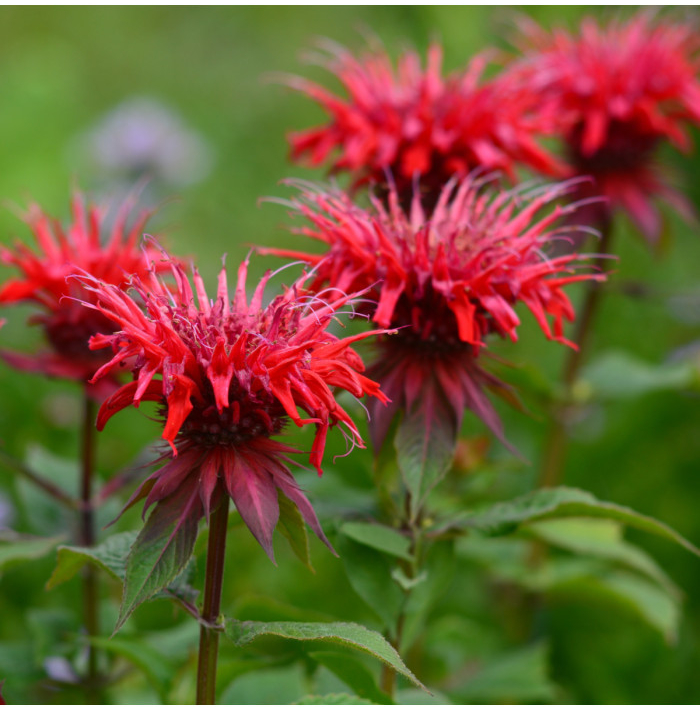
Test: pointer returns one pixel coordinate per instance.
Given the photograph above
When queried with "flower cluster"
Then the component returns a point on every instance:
(614, 93)
(80, 247)
(413, 123)
(446, 281)
(228, 375)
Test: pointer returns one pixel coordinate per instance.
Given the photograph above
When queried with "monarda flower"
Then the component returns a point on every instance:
(445, 283)
(82, 246)
(614, 94)
(228, 375)
(414, 124)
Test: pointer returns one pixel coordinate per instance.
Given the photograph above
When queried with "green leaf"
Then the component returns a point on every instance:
(425, 444)
(380, 537)
(516, 677)
(601, 538)
(291, 524)
(160, 553)
(16, 548)
(557, 503)
(144, 656)
(618, 375)
(330, 699)
(346, 634)
(110, 556)
(354, 673)
(266, 685)
(643, 598)
(369, 574)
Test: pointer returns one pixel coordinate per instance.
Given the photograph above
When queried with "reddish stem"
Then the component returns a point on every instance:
(557, 439)
(209, 633)
(86, 537)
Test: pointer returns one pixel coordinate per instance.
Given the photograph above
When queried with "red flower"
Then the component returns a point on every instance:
(615, 94)
(446, 283)
(64, 252)
(412, 122)
(228, 376)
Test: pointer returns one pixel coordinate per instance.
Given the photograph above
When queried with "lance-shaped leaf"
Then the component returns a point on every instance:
(242, 632)
(378, 536)
(558, 503)
(292, 526)
(16, 548)
(425, 443)
(161, 550)
(110, 556)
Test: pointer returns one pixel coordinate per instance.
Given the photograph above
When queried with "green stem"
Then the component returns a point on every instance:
(412, 569)
(209, 633)
(556, 446)
(86, 537)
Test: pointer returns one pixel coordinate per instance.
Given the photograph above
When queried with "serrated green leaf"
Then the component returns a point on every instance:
(378, 536)
(292, 526)
(369, 574)
(16, 548)
(516, 677)
(354, 673)
(561, 502)
(160, 553)
(618, 375)
(347, 634)
(110, 556)
(425, 444)
(332, 699)
(603, 539)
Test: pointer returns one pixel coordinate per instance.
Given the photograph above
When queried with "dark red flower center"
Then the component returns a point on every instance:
(626, 148)
(246, 418)
(69, 329)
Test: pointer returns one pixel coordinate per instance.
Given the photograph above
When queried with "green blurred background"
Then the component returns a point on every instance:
(62, 70)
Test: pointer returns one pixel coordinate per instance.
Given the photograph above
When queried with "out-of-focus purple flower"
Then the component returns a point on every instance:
(142, 136)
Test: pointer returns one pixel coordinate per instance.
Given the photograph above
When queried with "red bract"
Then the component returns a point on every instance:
(614, 94)
(82, 246)
(415, 123)
(228, 376)
(446, 283)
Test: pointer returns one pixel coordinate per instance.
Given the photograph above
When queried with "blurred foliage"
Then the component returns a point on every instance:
(635, 441)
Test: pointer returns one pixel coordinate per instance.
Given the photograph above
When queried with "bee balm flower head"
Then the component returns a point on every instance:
(414, 123)
(615, 94)
(63, 252)
(228, 375)
(445, 282)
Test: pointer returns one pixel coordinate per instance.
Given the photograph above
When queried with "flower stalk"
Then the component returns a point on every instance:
(556, 448)
(209, 633)
(86, 537)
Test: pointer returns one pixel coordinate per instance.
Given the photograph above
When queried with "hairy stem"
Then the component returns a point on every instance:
(209, 633)
(556, 445)
(86, 537)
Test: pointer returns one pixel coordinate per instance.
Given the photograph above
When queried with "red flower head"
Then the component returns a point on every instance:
(446, 283)
(64, 252)
(615, 94)
(228, 376)
(414, 123)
